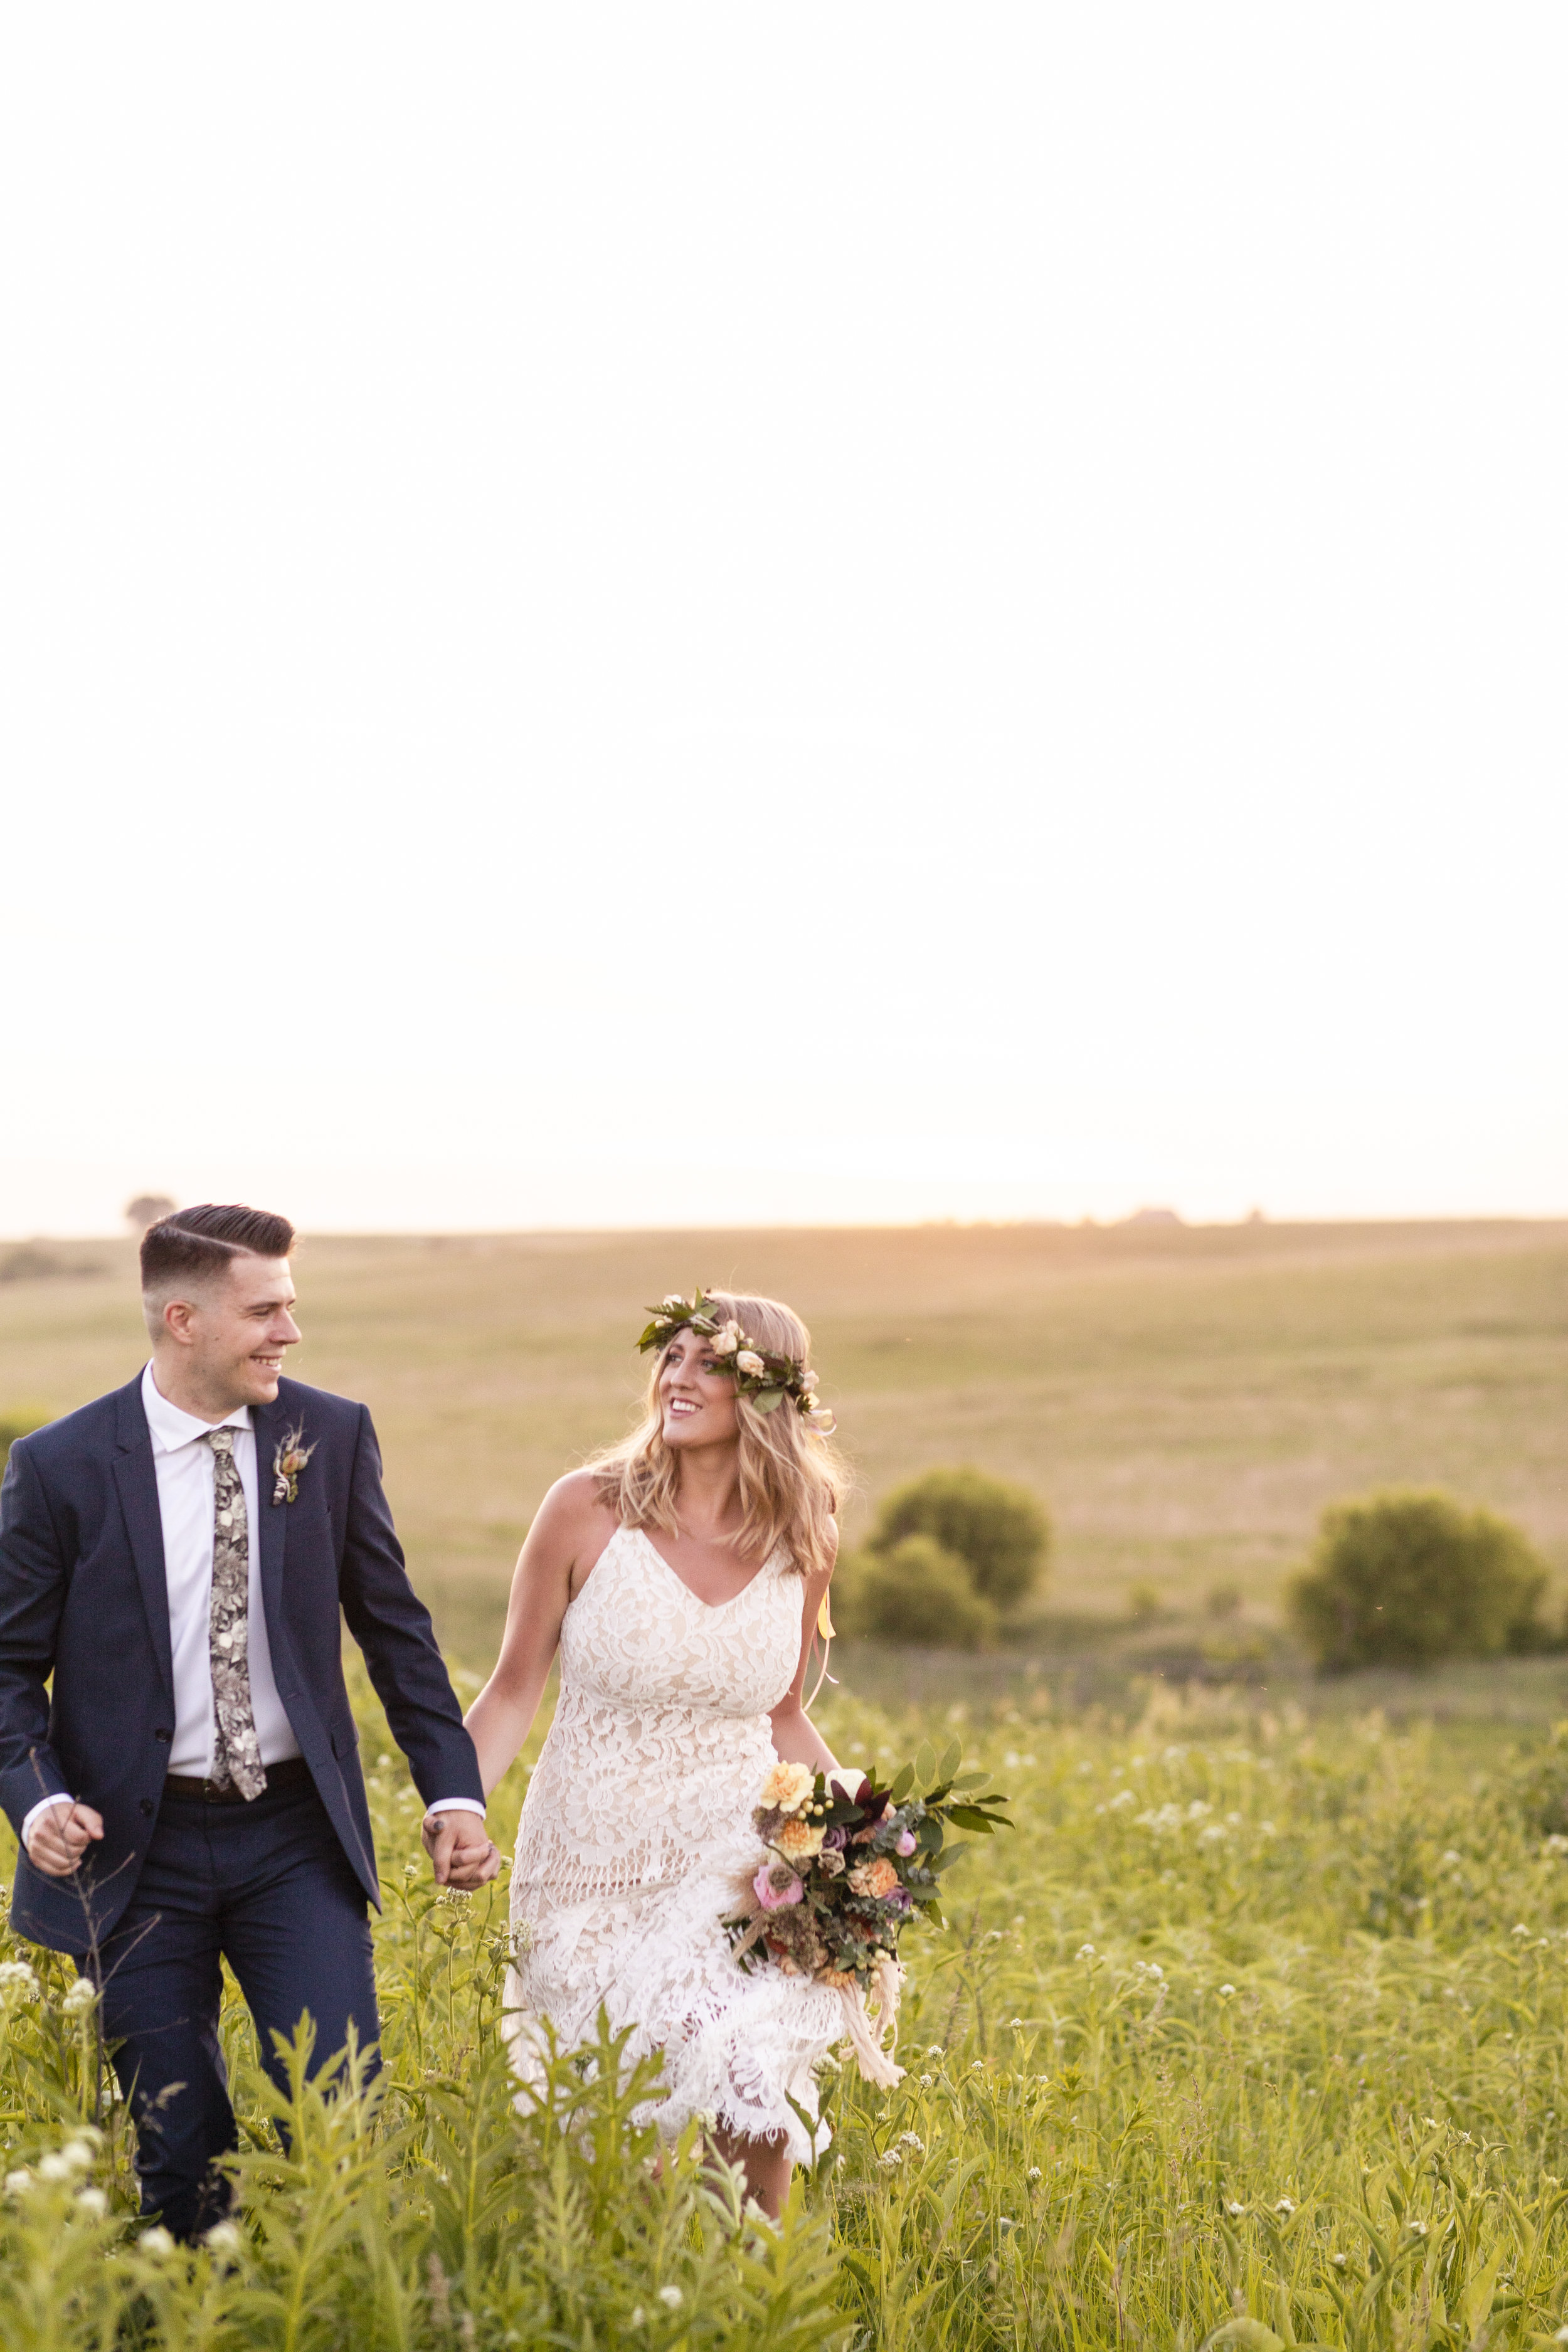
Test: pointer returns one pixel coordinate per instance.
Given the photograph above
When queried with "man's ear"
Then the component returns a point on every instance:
(179, 1322)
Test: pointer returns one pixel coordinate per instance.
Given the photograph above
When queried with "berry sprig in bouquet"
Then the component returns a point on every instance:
(848, 1865)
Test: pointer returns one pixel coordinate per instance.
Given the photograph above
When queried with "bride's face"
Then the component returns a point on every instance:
(698, 1400)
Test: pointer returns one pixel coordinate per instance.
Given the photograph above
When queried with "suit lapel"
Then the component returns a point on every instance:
(137, 1481)
(269, 1422)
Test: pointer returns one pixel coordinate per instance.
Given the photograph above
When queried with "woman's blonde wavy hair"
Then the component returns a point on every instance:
(790, 1477)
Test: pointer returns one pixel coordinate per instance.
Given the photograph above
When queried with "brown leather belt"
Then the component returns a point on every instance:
(292, 1773)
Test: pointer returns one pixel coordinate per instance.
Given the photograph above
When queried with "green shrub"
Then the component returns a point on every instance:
(917, 1594)
(999, 1531)
(1404, 1579)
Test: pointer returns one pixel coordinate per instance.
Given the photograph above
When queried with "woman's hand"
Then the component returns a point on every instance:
(462, 1854)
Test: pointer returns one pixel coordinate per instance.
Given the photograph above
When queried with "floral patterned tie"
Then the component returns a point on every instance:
(237, 1753)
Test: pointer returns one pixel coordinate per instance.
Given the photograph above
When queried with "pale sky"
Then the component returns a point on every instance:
(643, 615)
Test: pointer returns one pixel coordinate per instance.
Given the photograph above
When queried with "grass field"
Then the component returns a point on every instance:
(1186, 1400)
(1256, 2026)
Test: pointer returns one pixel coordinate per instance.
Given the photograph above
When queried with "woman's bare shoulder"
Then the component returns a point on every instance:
(572, 1508)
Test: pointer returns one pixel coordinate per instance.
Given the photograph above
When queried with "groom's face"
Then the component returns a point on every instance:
(236, 1329)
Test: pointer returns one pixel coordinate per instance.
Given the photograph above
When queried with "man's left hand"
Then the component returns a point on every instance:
(461, 1852)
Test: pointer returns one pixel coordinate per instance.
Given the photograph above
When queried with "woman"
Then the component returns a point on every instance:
(681, 1575)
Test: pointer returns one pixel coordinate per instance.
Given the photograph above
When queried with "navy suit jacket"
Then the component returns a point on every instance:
(83, 1597)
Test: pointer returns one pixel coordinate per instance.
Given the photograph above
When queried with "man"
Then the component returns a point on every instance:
(175, 1555)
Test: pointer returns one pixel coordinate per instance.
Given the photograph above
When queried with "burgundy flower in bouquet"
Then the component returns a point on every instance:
(849, 1865)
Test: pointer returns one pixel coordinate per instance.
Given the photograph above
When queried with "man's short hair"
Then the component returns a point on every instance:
(196, 1244)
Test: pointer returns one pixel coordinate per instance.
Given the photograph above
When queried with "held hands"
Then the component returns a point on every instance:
(461, 1852)
(58, 1839)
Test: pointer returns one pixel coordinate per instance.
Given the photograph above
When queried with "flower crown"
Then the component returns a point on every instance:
(766, 1379)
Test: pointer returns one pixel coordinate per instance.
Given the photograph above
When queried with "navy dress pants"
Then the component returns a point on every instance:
(267, 1886)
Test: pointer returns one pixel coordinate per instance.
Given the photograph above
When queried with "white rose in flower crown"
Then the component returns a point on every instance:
(752, 1364)
(728, 1338)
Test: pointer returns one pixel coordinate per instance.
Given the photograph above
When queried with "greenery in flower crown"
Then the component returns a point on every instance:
(764, 1377)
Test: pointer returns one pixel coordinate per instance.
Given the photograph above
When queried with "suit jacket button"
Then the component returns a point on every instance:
(164, 1736)
(147, 1804)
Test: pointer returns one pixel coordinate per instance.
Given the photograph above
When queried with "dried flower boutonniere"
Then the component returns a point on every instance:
(286, 1463)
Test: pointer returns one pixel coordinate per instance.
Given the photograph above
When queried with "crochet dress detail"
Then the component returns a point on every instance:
(636, 1841)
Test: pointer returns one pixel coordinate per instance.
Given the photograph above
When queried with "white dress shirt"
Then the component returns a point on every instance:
(183, 1462)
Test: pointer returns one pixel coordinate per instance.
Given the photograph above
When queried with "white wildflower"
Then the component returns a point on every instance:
(934, 2050)
(639, 2318)
(927, 2081)
(92, 2201)
(1285, 2205)
(223, 2238)
(1418, 2229)
(79, 2154)
(890, 2159)
(1123, 1797)
(1234, 2211)
(18, 2180)
(53, 2167)
(1086, 1951)
(1227, 1993)
(671, 2297)
(1033, 2173)
(1156, 1972)
(912, 2139)
(17, 1983)
(79, 2000)
(1340, 2262)
(1197, 1809)
(157, 2243)
(1520, 1930)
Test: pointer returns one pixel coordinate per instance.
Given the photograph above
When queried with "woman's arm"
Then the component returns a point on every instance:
(564, 1542)
(796, 1739)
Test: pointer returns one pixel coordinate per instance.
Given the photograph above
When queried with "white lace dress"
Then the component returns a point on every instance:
(637, 1839)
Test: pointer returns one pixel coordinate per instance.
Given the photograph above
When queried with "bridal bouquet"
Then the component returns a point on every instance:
(849, 1865)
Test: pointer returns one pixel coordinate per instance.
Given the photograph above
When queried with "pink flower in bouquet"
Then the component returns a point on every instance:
(906, 1844)
(774, 1886)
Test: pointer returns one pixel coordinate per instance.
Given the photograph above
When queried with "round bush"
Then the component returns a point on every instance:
(999, 1531)
(1405, 1579)
(921, 1596)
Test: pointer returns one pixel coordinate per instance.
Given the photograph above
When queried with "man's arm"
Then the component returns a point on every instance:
(32, 1595)
(392, 1628)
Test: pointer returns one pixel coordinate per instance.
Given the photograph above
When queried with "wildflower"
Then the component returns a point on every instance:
(1086, 1951)
(18, 2180)
(639, 2318)
(157, 2243)
(79, 1999)
(671, 2297)
(1267, 1829)
(1341, 2261)
(1418, 2229)
(80, 2153)
(93, 2201)
(977, 2066)
(912, 2139)
(934, 2050)
(1234, 2211)
(1429, 2123)
(926, 2082)
(1156, 1972)
(223, 2238)
(787, 1787)
(1123, 1797)
(1521, 1929)
(53, 2167)
(1227, 1993)
(17, 1983)
(1285, 2205)
(1016, 2024)
(1033, 2173)
(890, 2161)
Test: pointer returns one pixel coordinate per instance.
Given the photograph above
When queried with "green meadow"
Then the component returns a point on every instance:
(1251, 2033)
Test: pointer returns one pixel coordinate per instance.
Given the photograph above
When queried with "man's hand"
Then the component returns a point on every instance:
(59, 1838)
(461, 1851)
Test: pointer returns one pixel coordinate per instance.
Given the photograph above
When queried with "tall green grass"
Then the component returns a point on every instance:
(1252, 2026)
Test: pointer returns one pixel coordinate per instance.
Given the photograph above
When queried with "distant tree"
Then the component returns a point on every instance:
(999, 1531)
(147, 1208)
(1406, 1578)
(917, 1595)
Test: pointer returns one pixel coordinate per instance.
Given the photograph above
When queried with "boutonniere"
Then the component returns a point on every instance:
(286, 1463)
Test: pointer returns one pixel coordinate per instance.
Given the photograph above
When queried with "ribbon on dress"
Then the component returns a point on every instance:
(869, 2024)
